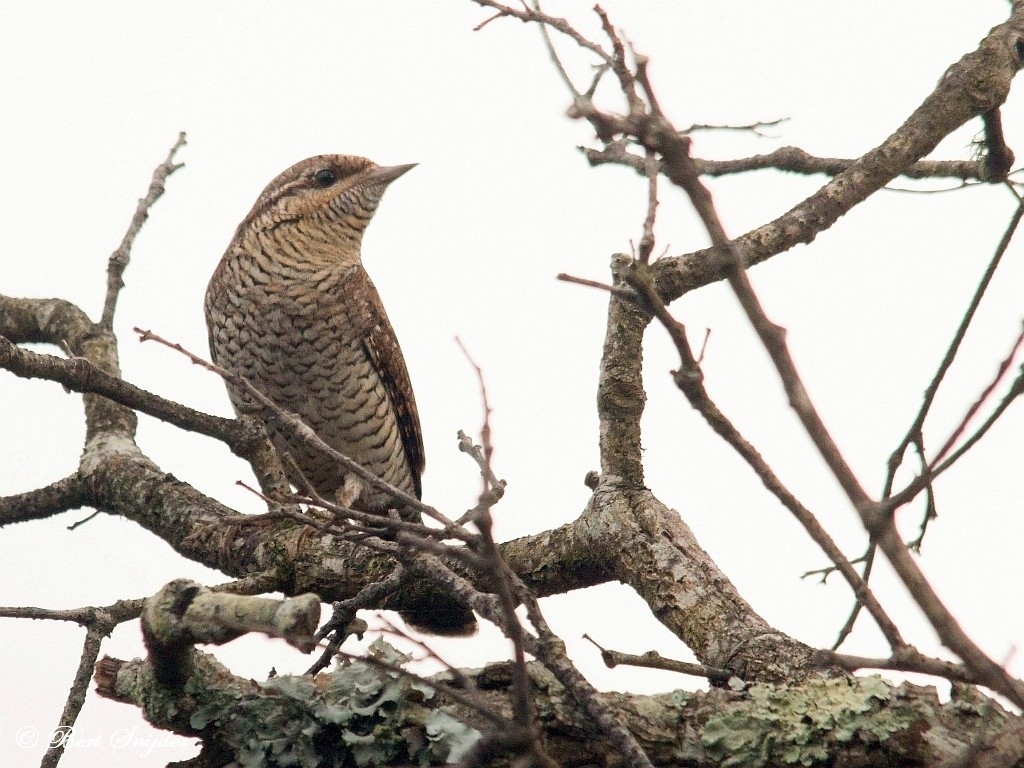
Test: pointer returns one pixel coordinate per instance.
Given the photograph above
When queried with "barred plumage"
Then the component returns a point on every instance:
(291, 309)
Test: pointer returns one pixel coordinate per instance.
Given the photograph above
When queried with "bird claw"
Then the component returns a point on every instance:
(349, 492)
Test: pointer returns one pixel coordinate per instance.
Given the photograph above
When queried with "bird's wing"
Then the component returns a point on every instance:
(381, 345)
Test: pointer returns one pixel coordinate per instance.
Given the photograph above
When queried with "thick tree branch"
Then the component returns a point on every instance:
(81, 375)
(620, 389)
(65, 494)
(776, 725)
(184, 613)
(246, 437)
(43, 321)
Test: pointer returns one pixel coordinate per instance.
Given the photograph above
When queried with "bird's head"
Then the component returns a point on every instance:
(329, 191)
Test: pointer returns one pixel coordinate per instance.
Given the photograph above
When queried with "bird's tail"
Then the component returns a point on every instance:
(442, 615)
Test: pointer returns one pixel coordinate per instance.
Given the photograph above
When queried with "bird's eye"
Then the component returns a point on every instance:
(324, 178)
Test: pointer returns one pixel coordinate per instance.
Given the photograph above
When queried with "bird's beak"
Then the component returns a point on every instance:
(385, 174)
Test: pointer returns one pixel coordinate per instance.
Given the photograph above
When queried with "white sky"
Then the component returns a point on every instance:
(93, 95)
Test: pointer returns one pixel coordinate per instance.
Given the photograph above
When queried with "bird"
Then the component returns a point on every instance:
(291, 309)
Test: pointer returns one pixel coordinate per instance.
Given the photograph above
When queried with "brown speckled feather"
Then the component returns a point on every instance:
(382, 347)
(370, 321)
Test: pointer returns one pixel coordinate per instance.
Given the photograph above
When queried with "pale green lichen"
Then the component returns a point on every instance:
(373, 715)
(802, 725)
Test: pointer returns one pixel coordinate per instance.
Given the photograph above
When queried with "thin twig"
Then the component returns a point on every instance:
(791, 160)
(119, 258)
(81, 375)
(549, 649)
(485, 428)
(755, 128)
(527, 15)
(973, 409)
(76, 696)
(614, 290)
(905, 659)
(1016, 390)
(875, 516)
(936, 468)
(618, 64)
(646, 244)
(494, 488)
(504, 584)
(343, 618)
(566, 80)
(914, 434)
(244, 436)
(654, 660)
(98, 622)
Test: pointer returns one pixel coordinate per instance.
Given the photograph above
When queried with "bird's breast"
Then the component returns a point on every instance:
(299, 337)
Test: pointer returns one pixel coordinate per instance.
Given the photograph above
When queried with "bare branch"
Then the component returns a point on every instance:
(81, 375)
(119, 612)
(246, 437)
(646, 244)
(99, 623)
(937, 466)
(788, 159)
(654, 660)
(914, 435)
(550, 651)
(485, 428)
(905, 659)
(976, 84)
(1016, 390)
(119, 258)
(184, 613)
(618, 291)
(972, 411)
(494, 488)
(60, 496)
(566, 80)
(343, 621)
(532, 15)
(76, 696)
(756, 128)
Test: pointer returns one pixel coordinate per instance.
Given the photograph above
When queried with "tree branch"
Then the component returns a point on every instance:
(119, 258)
(788, 160)
(57, 497)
